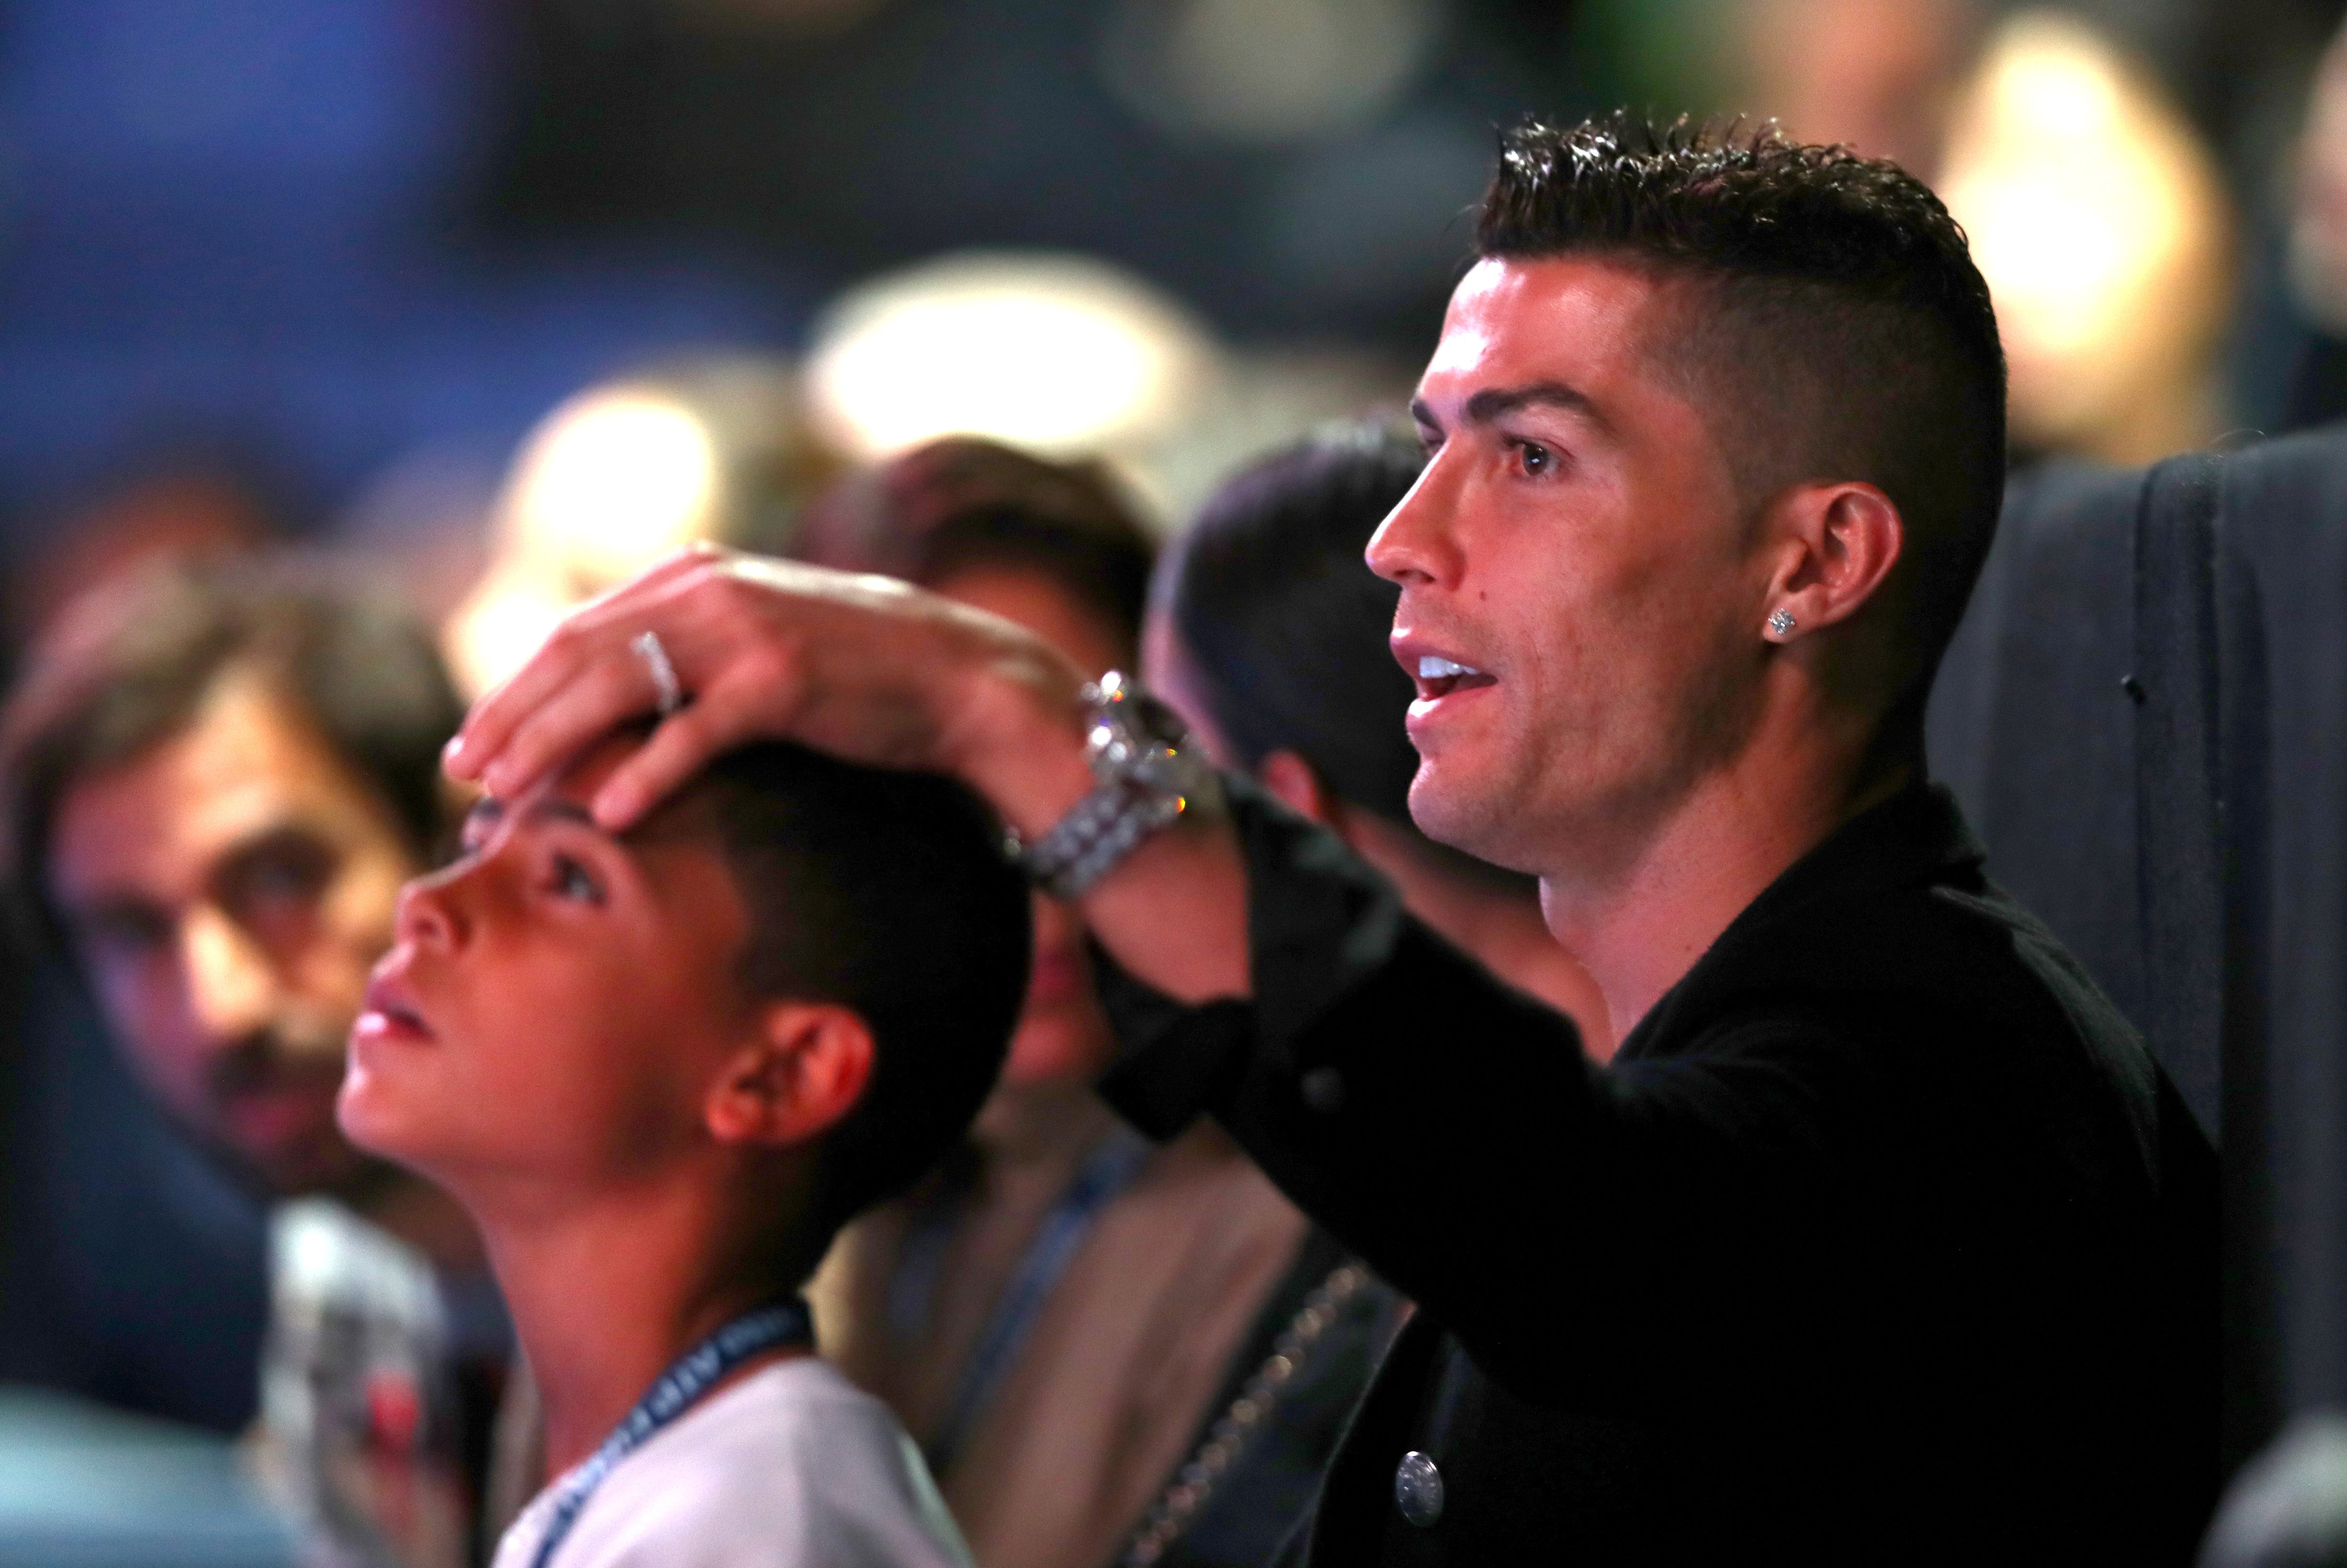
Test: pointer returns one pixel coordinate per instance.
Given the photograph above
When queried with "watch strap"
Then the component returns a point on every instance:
(1098, 832)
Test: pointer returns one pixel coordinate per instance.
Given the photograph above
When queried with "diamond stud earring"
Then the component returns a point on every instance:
(1781, 622)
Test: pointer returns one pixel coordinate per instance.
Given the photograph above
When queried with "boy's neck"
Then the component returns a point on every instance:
(605, 1297)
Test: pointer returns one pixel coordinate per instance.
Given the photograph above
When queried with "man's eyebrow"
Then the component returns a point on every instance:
(1491, 402)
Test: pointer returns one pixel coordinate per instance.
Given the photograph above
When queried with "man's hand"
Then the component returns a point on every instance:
(872, 671)
(866, 668)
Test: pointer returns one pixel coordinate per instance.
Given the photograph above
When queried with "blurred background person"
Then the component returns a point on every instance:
(218, 779)
(1111, 1352)
(2097, 210)
(1881, 75)
(1268, 630)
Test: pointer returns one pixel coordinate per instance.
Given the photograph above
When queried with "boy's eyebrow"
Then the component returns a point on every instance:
(565, 810)
(488, 811)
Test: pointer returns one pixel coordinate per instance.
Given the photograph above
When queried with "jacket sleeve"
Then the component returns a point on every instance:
(1450, 1130)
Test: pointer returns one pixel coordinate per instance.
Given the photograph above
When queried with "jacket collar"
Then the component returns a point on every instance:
(1917, 837)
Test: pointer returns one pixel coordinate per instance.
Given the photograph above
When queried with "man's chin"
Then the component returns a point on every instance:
(327, 1162)
(1474, 821)
(288, 1139)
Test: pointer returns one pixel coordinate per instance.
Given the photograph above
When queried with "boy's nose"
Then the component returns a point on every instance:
(426, 914)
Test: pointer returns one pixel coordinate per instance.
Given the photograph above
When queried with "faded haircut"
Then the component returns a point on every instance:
(886, 892)
(1833, 322)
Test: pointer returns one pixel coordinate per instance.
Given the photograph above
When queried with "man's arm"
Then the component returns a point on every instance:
(872, 671)
(1451, 1131)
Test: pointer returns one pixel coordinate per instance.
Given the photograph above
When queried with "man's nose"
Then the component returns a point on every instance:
(231, 985)
(1415, 545)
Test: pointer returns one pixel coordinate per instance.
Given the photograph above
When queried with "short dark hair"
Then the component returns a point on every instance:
(1284, 621)
(1842, 329)
(960, 503)
(890, 893)
(131, 665)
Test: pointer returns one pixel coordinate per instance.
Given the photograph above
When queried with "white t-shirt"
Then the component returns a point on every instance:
(793, 1467)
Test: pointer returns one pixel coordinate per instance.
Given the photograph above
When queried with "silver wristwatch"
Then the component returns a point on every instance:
(1146, 771)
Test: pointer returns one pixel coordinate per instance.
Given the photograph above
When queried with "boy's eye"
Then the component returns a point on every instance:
(574, 882)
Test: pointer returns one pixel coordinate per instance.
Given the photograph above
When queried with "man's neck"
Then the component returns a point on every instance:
(1642, 925)
(1501, 927)
(607, 1294)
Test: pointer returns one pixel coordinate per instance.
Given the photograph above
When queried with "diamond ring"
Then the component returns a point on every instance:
(668, 693)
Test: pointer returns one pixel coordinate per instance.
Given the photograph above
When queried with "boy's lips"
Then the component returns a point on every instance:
(391, 1012)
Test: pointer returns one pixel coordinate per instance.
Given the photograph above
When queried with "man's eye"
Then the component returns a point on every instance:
(278, 879)
(1535, 457)
(574, 882)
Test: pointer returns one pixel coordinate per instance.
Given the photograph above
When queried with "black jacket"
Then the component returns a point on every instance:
(1882, 1239)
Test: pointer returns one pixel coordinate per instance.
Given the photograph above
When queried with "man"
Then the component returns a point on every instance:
(1882, 1238)
(218, 780)
(768, 1006)
(1268, 634)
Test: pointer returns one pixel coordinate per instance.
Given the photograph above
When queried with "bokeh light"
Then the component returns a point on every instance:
(1063, 355)
(2100, 223)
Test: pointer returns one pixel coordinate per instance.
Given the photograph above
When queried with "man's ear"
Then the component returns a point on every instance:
(803, 1070)
(1836, 543)
(1297, 784)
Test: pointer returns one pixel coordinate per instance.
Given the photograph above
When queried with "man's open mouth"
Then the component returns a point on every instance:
(1439, 676)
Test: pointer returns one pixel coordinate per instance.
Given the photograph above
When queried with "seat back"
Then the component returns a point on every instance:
(2075, 719)
(2145, 713)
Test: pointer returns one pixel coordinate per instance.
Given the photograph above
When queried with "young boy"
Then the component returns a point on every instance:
(661, 1069)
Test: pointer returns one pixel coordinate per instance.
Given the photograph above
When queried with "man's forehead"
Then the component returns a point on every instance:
(244, 767)
(1574, 320)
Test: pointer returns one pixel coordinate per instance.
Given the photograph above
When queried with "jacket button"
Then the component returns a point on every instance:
(1323, 1089)
(1418, 1490)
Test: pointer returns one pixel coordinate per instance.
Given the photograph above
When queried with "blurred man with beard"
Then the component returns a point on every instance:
(218, 780)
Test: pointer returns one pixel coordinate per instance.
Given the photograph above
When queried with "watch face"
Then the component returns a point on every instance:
(1151, 717)
(1152, 746)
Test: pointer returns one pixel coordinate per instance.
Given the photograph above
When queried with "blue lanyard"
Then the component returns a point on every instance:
(1106, 1172)
(686, 1382)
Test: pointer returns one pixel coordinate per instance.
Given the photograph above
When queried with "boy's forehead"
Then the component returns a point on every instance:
(586, 774)
(578, 784)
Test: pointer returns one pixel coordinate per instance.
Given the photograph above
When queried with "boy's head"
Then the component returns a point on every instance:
(798, 974)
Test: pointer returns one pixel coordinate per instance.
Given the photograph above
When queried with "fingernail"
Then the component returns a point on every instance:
(452, 756)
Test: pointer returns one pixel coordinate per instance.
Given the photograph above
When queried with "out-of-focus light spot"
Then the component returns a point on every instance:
(1060, 354)
(1265, 70)
(2099, 222)
(2318, 229)
(612, 481)
(500, 625)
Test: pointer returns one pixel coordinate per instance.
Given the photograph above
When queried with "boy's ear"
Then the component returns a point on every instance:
(803, 1070)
